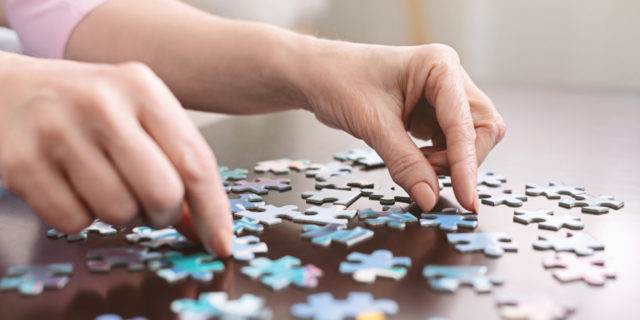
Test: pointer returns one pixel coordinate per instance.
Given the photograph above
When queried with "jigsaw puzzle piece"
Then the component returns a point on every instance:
(280, 273)
(322, 172)
(592, 204)
(262, 185)
(365, 156)
(102, 260)
(490, 179)
(532, 306)
(246, 202)
(322, 306)
(32, 280)
(175, 266)
(247, 224)
(444, 181)
(344, 182)
(216, 305)
(155, 239)
(387, 195)
(569, 267)
(394, 217)
(546, 219)
(493, 244)
(498, 196)
(112, 316)
(366, 267)
(245, 248)
(335, 196)
(233, 175)
(449, 220)
(449, 278)
(97, 226)
(325, 215)
(553, 190)
(579, 242)
(281, 166)
(271, 214)
(323, 236)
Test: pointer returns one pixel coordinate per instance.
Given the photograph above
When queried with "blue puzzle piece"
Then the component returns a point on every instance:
(247, 224)
(365, 267)
(490, 179)
(394, 217)
(283, 272)
(235, 174)
(493, 244)
(323, 236)
(246, 202)
(152, 238)
(322, 306)
(449, 220)
(449, 278)
(365, 156)
(103, 259)
(215, 305)
(262, 185)
(112, 316)
(245, 248)
(32, 280)
(197, 266)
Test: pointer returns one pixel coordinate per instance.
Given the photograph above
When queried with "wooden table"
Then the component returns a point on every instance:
(581, 137)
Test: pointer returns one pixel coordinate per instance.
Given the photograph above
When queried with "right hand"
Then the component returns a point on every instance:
(82, 141)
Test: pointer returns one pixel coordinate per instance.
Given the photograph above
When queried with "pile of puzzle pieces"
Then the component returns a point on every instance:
(326, 221)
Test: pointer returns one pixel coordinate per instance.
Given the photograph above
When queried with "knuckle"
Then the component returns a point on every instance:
(443, 51)
(119, 212)
(137, 74)
(403, 166)
(500, 129)
(196, 161)
(165, 197)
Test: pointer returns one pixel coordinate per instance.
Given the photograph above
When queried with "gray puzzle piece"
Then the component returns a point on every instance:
(322, 306)
(344, 182)
(281, 166)
(262, 185)
(493, 244)
(97, 226)
(366, 156)
(387, 195)
(235, 174)
(498, 196)
(152, 238)
(581, 243)
(490, 179)
(449, 220)
(271, 214)
(366, 267)
(449, 278)
(321, 215)
(102, 260)
(394, 217)
(553, 190)
(592, 204)
(32, 280)
(531, 305)
(322, 172)
(547, 219)
(323, 236)
(341, 197)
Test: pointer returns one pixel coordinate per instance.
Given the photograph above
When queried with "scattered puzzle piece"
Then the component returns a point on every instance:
(155, 239)
(246, 202)
(322, 172)
(245, 248)
(341, 197)
(449, 220)
(102, 260)
(32, 280)
(449, 278)
(97, 226)
(247, 224)
(553, 190)
(280, 273)
(215, 305)
(112, 316)
(394, 217)
(366, 267)
(571, 268)
(547, 219)
(175, 266)
(592, 204)
(281, 166)
(271, 214)
(262, 185)
(322, 306)
(323, 236)
(321, 215)
(344, 182)
(365, 156)
(579, 242)
(444, 181)
(498, 196)
(531, 306)
(387, 195)
(490, 179)
(493, 244)
(235, 174)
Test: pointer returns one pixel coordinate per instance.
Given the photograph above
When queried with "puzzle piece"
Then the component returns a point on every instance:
(32, 280)
(246, 202)
(493, 244)
(387, 195)
(112, 316)
(245, 248)
(490, 179)
(592, 204)
(449, 220)
(322, 172)
(444, 181)
(281, 166)
(280, 273)
(547, 219)
(365, 267)
(531, 306)
(97, 226)
(579, 242)
(215, 305)
(498, 196)
(321, 215)
(247, 224)
(262, 185)
(235, 174)
(344, 182)
(449, 278)
(336, 196)
(573, 268)
(394, 217)
(365, 156)
(155, 239)
(323, 236)
(102, 260)
(322, 306)
(553, 190)
(271, 214)
(175, 266)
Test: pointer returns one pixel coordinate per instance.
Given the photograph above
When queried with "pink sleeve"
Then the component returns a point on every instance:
(44, 26)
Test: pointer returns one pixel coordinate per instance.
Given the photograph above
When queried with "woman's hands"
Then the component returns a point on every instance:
(82, 141)
(381, 94)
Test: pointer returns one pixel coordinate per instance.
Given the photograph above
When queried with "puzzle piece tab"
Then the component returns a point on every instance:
(365, 156)
(493, 244)
(341, 197)
(322, 172)
(366, 267)
(262, 185)
(247, 224)
(32, 280)
(533, 306)
(322, 306)
(592, 204)
(325, 215)
(579, 242)
(281, 166)
(216, 305)
(490, 179)
(553, 190)
(175, 266)
(152, 238)
(344, 182)
(449, 278)
(102, 260)
(498, 196)
(233, 175)
(569, 267)
(323, 236)
(387, 195)
(272, 214)
(394, 217)
(449, 220)
(245, 248)
(246, 202)
(97, 226)
(280, 273)
(546, 219)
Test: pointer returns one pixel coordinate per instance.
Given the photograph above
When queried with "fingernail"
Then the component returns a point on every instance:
(424, 196)
(476, 203)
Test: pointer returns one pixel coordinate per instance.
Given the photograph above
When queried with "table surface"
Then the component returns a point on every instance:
(588, 138)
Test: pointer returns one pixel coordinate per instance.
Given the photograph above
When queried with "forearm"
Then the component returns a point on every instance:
(210, 63)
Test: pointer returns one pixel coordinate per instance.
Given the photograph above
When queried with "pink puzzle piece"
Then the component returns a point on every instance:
(570, 267)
